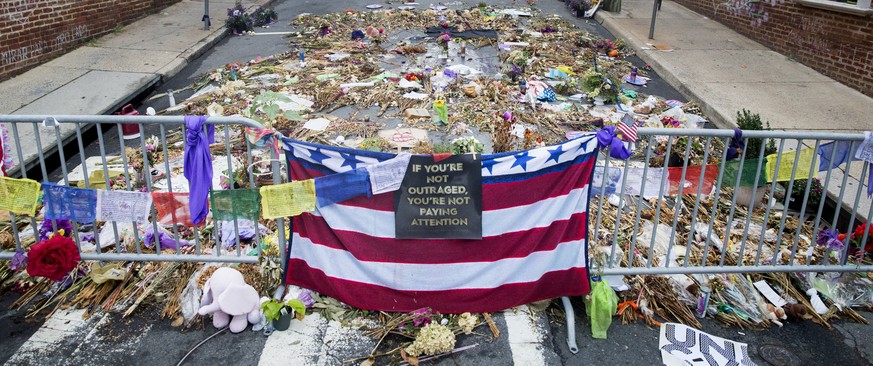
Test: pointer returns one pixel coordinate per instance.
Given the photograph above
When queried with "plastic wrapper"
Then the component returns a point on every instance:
(601, 304)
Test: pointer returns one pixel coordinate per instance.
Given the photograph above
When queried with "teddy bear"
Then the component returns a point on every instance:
(231, 301)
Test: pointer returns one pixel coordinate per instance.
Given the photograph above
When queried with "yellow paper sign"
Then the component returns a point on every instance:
(805, 167)
(19, 195)
(288, 199)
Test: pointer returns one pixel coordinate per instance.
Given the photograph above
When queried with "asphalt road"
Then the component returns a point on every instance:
(525, 339)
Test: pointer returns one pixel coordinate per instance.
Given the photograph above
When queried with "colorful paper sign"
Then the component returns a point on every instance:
(19, 195)
(68, 203)
(805, 168)
(340, 187)
(173, 208)
(288, 199)
(610, 187)
(123, 206)
(653, 182)
(237, 203)
(746, 177)
(692, 182)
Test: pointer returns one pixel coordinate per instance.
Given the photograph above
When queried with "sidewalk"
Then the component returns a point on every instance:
(724, 72)
(104, 74)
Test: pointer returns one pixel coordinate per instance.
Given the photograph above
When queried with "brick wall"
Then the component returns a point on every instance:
(838, 45)
(35, 31)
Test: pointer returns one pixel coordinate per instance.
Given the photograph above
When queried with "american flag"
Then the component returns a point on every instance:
(533, 246)
(628, 128)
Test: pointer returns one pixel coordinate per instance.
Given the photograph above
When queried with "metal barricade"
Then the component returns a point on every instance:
(26, 228)
(628, 237)
(765, 237)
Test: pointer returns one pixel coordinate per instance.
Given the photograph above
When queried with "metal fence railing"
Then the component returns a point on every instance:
(705, 213)
(123, 243)
(681, 204)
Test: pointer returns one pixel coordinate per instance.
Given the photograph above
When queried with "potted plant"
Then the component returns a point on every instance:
(747, 121)
(798, 191)
(280, 312)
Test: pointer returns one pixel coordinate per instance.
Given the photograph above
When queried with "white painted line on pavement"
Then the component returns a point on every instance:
(314, 341)
(56, 329)
(299, 345)
(525, 339)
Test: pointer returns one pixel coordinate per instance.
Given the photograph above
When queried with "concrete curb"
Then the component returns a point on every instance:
(666, 73)
(185, 57)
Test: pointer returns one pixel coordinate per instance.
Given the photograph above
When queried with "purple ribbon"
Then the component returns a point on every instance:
(607, 137)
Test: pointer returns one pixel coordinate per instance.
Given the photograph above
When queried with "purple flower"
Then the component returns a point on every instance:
(305, 296)
(449, 73)
(46, 228)
(19, 261)
(830, 239)
(421, 317)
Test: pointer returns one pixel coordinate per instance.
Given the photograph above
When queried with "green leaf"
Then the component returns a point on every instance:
(298, 306)
(293, 116)
(272, 309)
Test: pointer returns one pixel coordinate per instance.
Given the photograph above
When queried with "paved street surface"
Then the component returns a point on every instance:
(526, 338)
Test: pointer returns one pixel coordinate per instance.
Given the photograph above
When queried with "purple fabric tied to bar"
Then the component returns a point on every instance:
(198, 165)
(607, 137)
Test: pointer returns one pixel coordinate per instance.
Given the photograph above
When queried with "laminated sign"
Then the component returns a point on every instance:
(440, 198)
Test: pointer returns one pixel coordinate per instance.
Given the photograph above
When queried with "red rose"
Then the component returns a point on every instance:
(53, 258)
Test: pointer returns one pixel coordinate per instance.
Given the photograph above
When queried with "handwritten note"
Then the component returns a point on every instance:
(288, 199)
(123, 206)
(19, 195)
(387, 175)
(865, 151)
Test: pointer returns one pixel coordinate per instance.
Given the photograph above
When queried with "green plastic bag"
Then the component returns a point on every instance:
(601, 304)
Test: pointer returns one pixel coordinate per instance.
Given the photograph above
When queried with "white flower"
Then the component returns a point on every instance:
(467, 322)
(432, 340)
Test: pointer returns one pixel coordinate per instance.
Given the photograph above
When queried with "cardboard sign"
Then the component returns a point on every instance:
(440, 199)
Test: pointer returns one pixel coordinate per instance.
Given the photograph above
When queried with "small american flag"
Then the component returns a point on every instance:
(628, 128)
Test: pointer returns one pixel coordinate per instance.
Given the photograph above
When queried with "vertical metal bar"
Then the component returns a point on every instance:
(22, 166)
(619, 213)
(206, 15)
(679, 202)
(802, 213)
(844, 253)
(788, 191)
(280, 223)
(641, 199)
(700, 184)
(600, 201)
(252, 185)
(655, 6)
(737, 184)
(660, 203)
(862, 251)
(63, 164)
(773, 185)
(824, 194)
(106, 179)
(147, 173)
(129, 182)
(843, 189)
(232, 207)
(715, 208)
(83, 159)
(169, 174)
(752, 204)
(39, 151)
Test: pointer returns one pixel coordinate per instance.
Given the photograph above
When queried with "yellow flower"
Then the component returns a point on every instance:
(439, 103)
